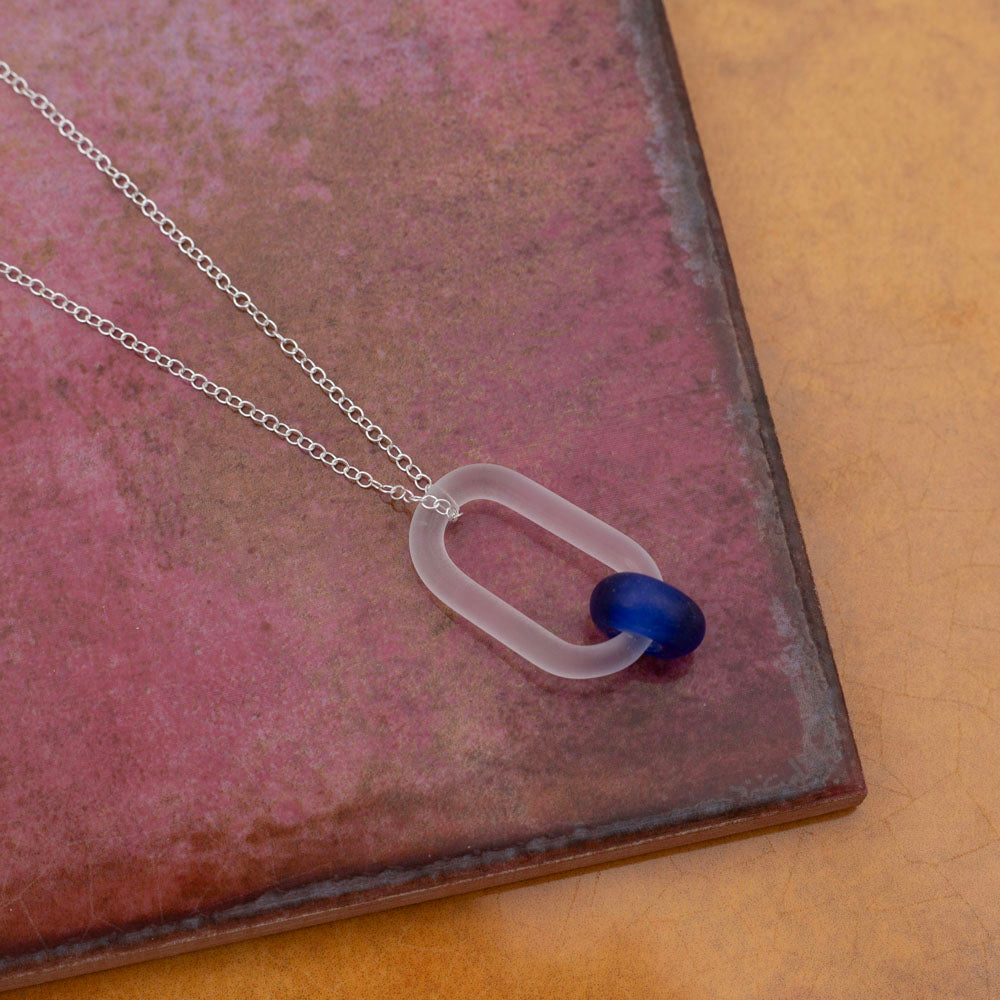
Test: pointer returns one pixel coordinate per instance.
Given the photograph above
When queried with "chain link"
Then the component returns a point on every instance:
(242, 301)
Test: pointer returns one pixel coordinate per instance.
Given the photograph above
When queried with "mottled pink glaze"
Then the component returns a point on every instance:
(220, 673)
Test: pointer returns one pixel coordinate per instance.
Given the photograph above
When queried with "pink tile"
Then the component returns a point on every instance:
(223, 681)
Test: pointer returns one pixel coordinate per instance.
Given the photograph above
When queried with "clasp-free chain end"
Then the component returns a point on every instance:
(440, 503)
(445, 505)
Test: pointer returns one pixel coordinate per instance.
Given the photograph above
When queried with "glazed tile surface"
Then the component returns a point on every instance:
(222, 678)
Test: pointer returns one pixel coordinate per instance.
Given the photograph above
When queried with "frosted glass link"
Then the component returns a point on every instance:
(481, 607)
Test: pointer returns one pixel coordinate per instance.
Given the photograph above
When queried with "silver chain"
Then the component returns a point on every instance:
(244, 303)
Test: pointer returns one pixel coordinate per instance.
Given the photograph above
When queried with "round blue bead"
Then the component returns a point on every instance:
(633, 602)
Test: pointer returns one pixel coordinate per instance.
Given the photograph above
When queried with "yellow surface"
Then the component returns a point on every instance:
(855, 153)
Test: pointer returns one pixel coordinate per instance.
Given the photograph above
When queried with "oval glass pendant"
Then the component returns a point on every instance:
(478, 605)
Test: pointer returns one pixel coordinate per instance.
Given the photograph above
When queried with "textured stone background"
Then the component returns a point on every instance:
(853, 155)
(225, 677)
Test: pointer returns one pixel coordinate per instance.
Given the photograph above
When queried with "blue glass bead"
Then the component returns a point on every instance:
(643, 605)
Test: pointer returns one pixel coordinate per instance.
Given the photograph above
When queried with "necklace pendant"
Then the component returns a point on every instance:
(478, 605)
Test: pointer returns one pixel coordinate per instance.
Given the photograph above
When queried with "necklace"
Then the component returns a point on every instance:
(638, 612)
